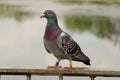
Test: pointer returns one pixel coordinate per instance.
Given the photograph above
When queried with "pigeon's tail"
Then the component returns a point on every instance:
(81, 57)
(87, 62)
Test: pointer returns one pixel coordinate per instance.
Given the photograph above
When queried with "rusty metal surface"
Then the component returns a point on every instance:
(64, 72)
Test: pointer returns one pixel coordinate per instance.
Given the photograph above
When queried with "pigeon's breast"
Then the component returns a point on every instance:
(54, 49)
(52, 34)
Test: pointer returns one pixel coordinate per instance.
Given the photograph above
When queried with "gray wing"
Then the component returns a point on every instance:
(67, 44)
(71, 48)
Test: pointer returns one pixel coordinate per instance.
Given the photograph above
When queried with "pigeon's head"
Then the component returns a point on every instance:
(49, 14)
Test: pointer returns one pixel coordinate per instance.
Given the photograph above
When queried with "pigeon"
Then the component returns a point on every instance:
(60, 43)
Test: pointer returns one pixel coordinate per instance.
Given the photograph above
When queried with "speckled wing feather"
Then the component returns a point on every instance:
(67, 44)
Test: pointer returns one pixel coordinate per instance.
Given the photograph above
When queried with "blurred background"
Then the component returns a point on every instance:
(94, 25)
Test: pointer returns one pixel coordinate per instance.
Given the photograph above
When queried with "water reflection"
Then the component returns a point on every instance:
(101, 26)
(8, 11)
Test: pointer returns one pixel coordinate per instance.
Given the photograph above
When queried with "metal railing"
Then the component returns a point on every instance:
(85, 72)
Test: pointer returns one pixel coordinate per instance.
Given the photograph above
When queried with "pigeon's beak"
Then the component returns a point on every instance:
(43, 16)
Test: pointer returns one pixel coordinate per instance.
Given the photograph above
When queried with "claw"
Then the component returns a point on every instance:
(69, 68)
(53, 67)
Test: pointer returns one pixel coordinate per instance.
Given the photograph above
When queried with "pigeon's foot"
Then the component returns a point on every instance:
(53, 67)
(69, 68)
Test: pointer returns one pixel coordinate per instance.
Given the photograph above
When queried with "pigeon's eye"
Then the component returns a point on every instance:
(48, 13)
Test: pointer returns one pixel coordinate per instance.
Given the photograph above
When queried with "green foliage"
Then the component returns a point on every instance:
(78, 22)
(92, 1)
(70, 1)
(101, 26)
(7, 11)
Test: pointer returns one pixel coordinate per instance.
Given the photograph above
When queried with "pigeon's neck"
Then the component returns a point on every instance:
(52, 29)
(52, 22)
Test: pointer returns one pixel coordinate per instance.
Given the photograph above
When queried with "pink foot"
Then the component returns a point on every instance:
(53, 67)
(70, 68)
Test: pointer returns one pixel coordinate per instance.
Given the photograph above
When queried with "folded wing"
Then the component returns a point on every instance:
(71, 48)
